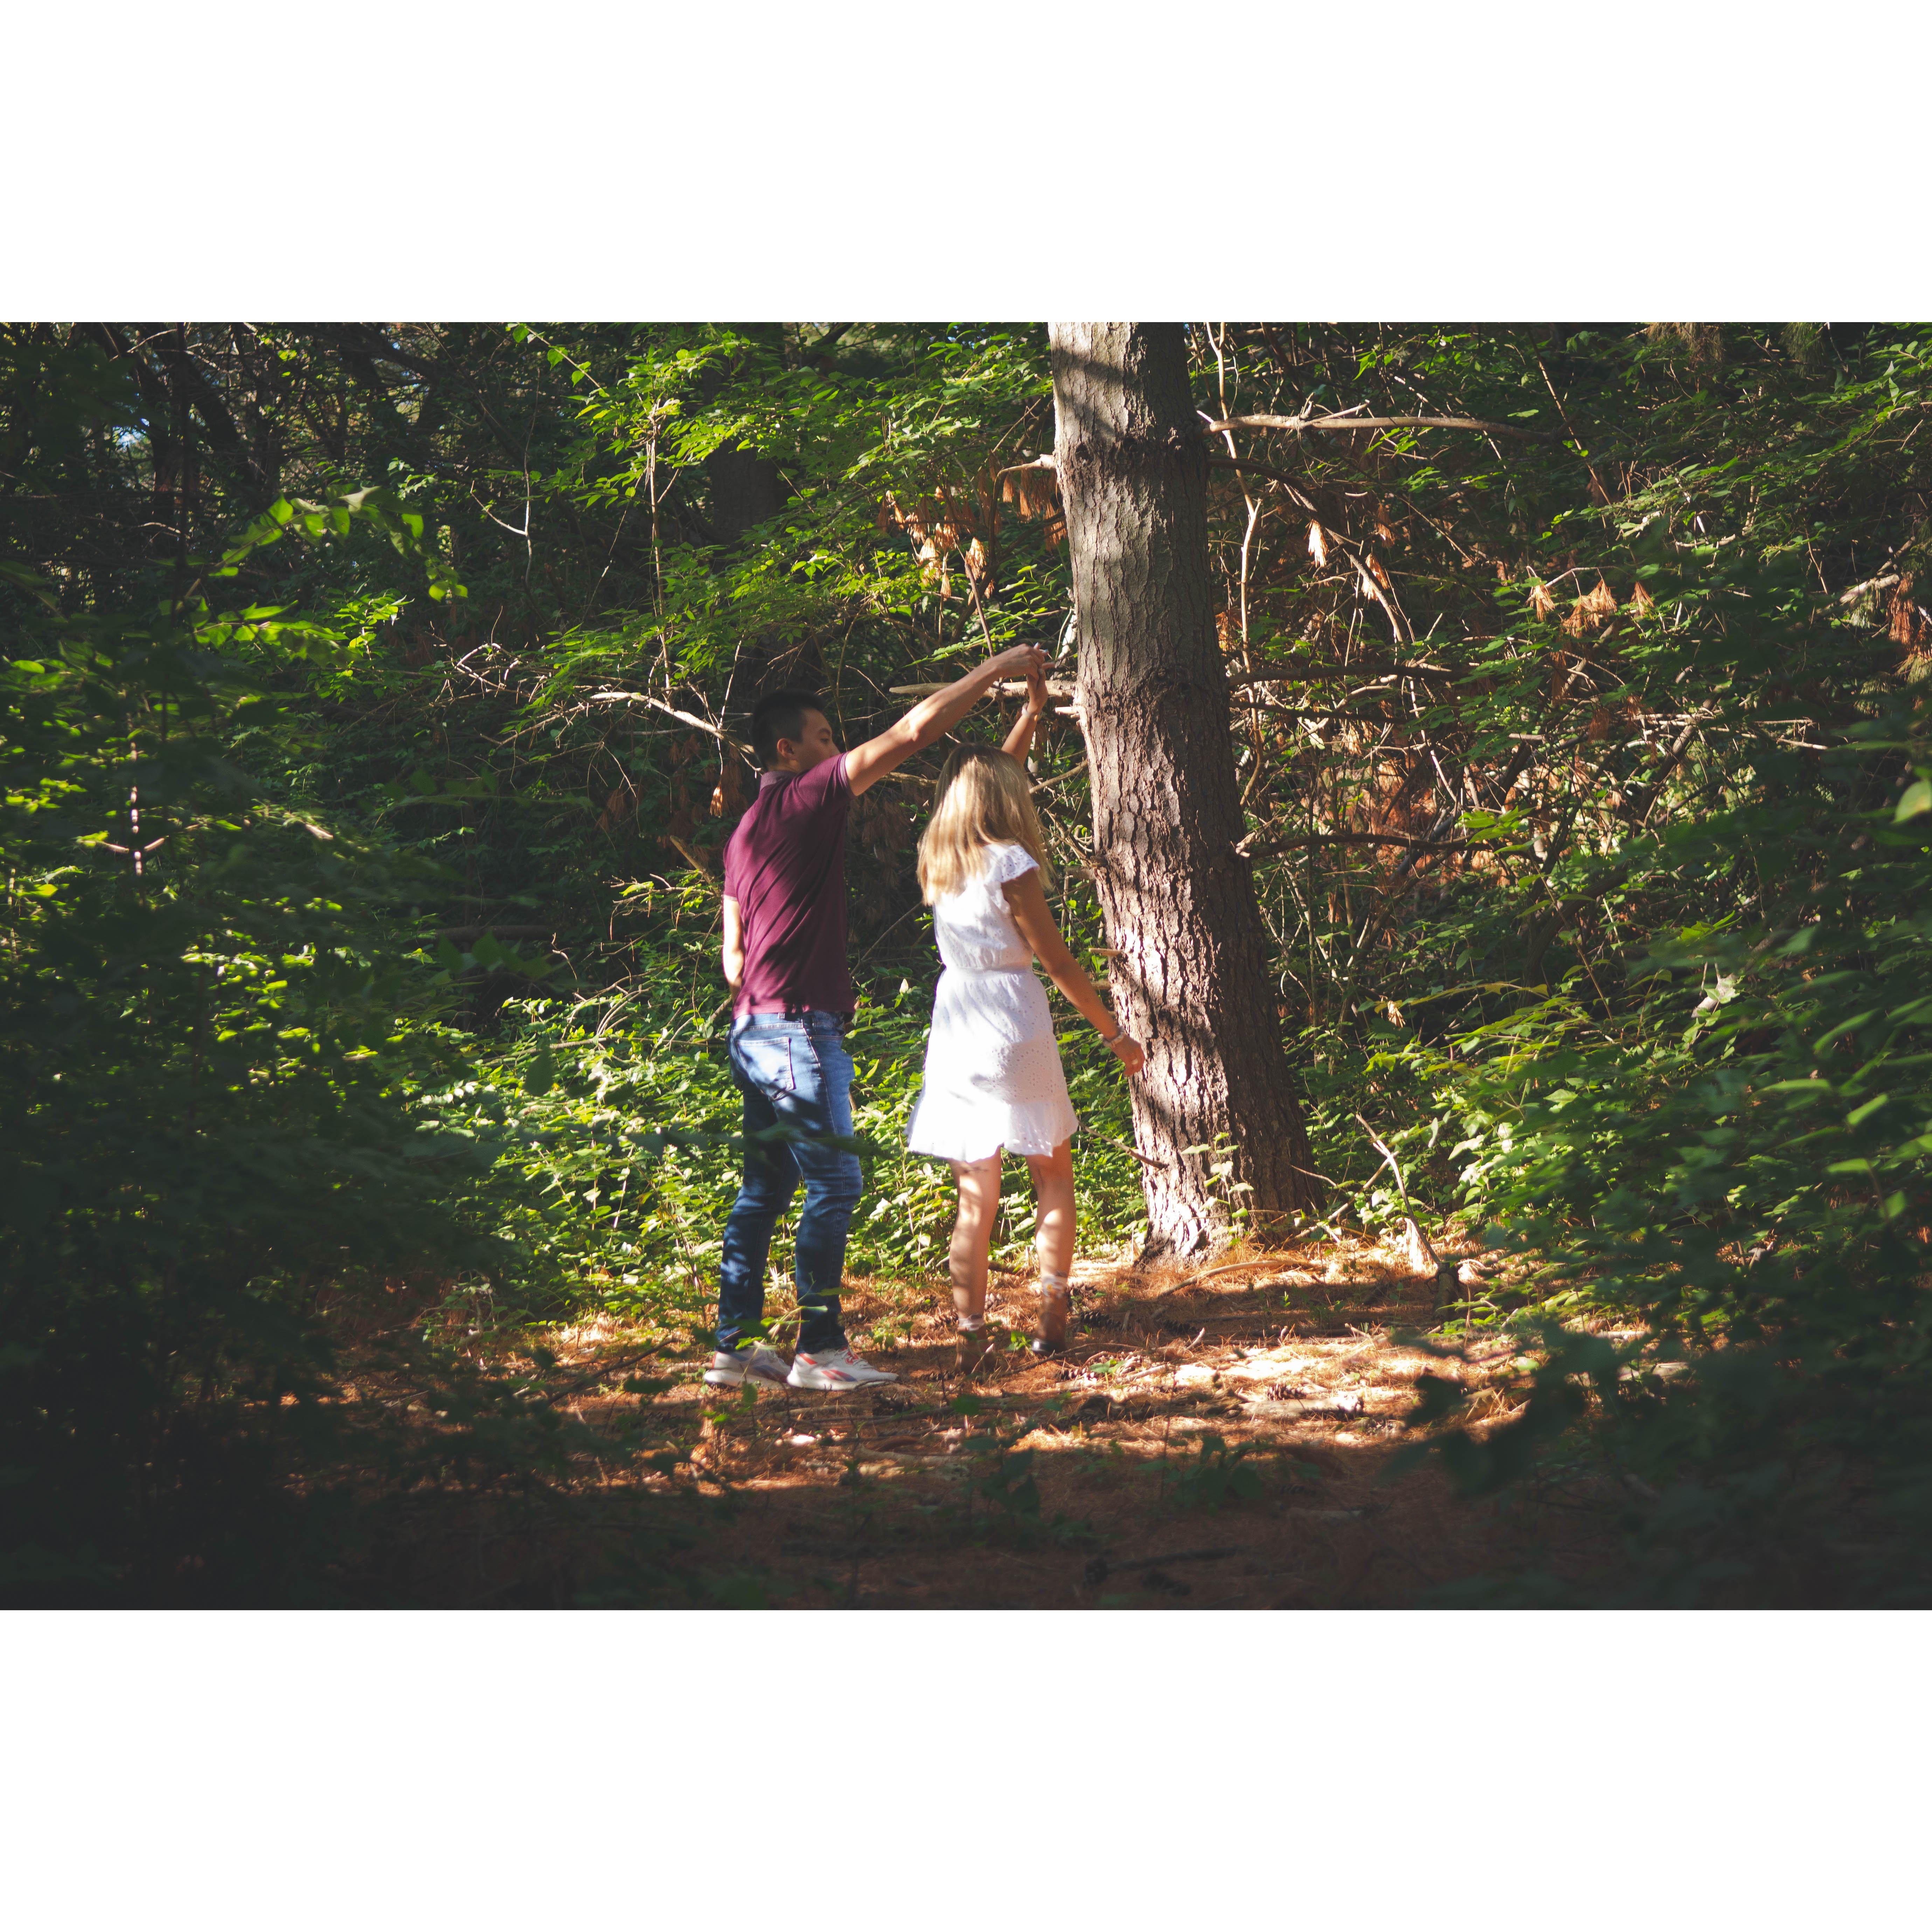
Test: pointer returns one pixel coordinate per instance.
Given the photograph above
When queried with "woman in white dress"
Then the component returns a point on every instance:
(993, 1077)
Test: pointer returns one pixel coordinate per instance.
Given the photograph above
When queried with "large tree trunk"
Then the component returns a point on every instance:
(1190, 970)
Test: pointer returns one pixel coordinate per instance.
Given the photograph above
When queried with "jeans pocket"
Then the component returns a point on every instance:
(827, 1068)
(766, 1059)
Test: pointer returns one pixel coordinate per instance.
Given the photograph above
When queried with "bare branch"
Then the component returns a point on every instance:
(669, 711)
(1399, 624)
(1299, 423)
(694, 856)
(1311, 672)
(1249, 849)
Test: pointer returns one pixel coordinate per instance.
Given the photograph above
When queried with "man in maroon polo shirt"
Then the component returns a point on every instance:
(784, 960)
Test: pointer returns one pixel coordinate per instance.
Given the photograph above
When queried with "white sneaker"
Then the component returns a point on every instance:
(729, 1370)
(834, 1369)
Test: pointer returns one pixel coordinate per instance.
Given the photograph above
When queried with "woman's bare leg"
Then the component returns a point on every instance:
(1053, 1239)
(1053, 1193)
(973, 1235)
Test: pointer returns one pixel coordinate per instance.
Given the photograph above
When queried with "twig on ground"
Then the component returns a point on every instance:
(1226, 1267)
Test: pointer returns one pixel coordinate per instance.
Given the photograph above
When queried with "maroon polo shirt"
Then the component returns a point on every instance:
(785, 865)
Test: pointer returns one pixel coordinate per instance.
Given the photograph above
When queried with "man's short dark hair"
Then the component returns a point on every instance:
(780, 714)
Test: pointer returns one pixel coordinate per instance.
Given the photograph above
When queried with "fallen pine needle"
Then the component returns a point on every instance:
(1226, 1267)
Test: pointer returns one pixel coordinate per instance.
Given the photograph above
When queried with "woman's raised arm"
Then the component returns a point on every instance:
(1019, 739)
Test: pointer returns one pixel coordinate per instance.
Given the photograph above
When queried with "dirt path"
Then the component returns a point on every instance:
(1221, 1443)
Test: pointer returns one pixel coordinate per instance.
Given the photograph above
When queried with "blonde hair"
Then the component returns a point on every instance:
(983, 798)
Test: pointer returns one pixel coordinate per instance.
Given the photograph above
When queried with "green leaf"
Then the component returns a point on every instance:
(23, 579)
(1851, 1025)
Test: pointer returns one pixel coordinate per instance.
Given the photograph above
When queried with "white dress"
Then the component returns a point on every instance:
(993, 1077)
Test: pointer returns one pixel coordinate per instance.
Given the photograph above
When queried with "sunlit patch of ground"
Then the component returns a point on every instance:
(1217, 1436)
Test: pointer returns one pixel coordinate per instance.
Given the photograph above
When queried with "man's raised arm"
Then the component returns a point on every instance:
(931, 718)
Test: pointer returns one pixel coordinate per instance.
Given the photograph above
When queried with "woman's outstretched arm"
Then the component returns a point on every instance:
(1026, 897)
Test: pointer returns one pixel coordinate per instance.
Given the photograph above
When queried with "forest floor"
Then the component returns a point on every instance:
(1211, 1440)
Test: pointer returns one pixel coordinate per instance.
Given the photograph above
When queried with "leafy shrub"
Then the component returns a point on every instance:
(215, 1123)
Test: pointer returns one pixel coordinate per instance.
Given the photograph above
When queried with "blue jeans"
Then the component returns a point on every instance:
(797, 1079)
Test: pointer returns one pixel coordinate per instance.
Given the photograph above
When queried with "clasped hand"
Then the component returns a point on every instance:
(1026, 660)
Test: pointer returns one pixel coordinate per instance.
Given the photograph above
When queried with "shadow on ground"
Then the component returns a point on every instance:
(1216, 1443)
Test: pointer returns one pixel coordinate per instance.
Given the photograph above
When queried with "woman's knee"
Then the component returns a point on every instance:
(1052, 1172)
(979, 1184)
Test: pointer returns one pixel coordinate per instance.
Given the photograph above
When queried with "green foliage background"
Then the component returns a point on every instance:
(397, 657)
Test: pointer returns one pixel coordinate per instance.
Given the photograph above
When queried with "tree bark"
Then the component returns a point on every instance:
(1190, 971)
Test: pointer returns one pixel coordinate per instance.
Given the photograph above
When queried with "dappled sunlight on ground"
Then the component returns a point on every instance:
(1217, 1436)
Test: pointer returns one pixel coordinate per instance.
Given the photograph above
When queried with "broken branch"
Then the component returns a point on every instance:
(670, 711)
(1250, 850)
(1298, 423)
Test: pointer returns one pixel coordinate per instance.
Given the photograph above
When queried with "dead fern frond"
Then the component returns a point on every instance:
(1592, 611)
(1704, 341)
(1034, 492)
(1906, 623)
